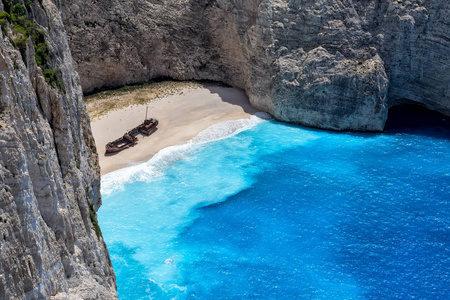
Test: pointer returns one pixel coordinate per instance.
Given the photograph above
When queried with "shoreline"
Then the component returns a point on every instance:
(181, 115)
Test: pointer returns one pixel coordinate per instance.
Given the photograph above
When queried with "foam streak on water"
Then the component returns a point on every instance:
(278, 211)
(157, 164)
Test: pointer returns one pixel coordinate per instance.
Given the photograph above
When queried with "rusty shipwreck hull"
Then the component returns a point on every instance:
(129, 139)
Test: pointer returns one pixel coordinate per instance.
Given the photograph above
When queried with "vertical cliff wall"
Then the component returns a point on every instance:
(50, 244)
(337, 64)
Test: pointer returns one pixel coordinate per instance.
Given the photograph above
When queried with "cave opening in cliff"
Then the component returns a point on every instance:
(405, 117)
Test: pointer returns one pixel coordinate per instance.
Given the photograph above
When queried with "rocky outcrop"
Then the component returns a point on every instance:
(50, 243)
(337, 64)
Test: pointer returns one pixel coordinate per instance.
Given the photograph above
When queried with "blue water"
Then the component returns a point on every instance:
(284, 212)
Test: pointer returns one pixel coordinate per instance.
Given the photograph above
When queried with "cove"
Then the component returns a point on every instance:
(275, 211)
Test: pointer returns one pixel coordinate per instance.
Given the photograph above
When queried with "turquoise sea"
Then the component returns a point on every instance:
(259, 209)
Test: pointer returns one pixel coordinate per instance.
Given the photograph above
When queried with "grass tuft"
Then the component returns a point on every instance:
(94, 220)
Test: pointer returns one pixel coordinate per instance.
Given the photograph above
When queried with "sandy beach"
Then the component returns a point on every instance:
(181, 117)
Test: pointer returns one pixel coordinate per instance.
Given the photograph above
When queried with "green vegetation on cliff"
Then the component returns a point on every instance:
(93, 217)
(22, 29)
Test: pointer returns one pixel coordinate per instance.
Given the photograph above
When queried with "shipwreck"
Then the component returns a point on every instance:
(129, 139)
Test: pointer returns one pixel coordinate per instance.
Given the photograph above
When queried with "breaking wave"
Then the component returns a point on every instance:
(279, 211)
(155, 167)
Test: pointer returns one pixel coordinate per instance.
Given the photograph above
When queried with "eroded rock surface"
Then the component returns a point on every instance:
(49, 174)
(337, 64)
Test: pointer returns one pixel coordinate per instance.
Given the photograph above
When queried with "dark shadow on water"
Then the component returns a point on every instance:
(406, 118)
(414, 119)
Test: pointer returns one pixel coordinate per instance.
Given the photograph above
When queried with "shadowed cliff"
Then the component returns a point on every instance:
(51, 246)
(336, 64)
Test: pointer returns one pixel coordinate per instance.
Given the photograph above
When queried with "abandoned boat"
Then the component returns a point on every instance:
(148, 127)
(122, 143)
(129, 138)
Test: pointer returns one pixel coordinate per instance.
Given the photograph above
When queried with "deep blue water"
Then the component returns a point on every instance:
(284, 212)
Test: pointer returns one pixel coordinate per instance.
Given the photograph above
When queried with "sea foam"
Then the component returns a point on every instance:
(279, 211)
(155, 167)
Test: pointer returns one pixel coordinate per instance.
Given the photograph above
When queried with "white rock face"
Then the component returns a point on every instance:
(49, 175)
(336, 64)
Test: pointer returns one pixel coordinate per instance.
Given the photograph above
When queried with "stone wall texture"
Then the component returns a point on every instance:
(334, 64)
(49, 175)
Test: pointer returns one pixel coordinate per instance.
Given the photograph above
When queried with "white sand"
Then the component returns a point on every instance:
(181, 117)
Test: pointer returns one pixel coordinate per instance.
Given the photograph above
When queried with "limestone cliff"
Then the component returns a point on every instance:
(50, 243)
(337, 64)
